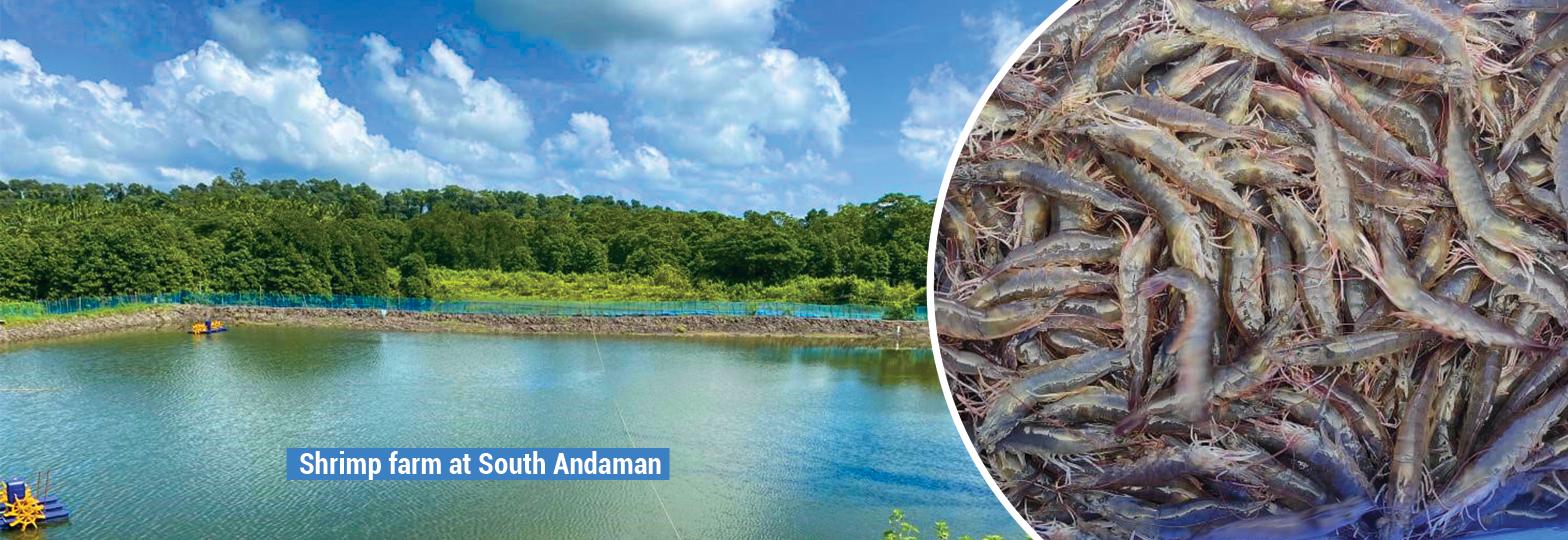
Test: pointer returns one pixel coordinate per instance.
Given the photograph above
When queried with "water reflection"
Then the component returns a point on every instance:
(767, 438)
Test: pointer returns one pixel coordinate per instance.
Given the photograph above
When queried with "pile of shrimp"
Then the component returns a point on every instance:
(1268, 269)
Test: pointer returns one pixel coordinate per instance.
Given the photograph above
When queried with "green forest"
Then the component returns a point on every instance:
(329, 237)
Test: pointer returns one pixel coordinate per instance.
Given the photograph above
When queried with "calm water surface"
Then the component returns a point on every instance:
(164, 435)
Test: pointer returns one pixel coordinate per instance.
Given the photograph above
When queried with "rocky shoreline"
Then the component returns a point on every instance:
(869, 333)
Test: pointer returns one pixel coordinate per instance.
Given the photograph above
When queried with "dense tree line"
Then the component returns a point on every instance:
(321, 237)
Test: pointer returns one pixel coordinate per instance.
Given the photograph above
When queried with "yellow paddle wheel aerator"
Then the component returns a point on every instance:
(26, 511)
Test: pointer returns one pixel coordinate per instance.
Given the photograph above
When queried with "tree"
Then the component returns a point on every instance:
(414, 277)
(314, 236)
(519, 259)
(17, 268)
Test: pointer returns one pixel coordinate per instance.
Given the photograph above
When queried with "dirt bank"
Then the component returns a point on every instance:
(901, 334)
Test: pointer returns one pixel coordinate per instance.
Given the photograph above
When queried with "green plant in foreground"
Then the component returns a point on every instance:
(899, 528)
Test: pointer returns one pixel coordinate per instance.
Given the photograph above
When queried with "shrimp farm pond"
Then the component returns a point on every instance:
(1268, 269)
(161, 434)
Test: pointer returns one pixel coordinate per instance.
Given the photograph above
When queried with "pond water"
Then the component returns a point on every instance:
(165, 435)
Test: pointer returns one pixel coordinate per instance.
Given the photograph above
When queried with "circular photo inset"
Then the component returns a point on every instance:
(1267, 269)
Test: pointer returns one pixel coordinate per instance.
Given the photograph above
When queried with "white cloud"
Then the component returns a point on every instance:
(940, 104)
(653, 163)
(204, 110)
(56, 126)
(186, 175)
(723, 107)
(717, 116)
(479, 124)
(277, 112)
(1004, 32)
(252, 32)
(938, 108)
(702, 75)
(601, 24)
(587, 146)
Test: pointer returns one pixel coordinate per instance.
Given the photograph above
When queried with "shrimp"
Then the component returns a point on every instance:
(1326, 457)
(1539, 287)
(1432, 254)
(1544, 6)
(1233, 102)
(1560, 166)
(1082, 85)
(1400, 194)
(1334, 204)
(1316, 268)
(1343, 107)
(1336, 26)
(1350, 349)
(1171, 520)
(1146, 52)
(1475, 202)
(1168, 154)
(1363, 416)
(1017, 89)
(1137, 259)
(1403, 117)
(1056, 183)
(1073, 216)
(1077, 24)
(1033, 218)
(1071, 341)
(1166, 464)
(1285, 9)
(1177, 116)
(1364, 206)
(1052, 443)
(1459, 285)
(1185, 230)
(1548, 104)
(1252, 368)
(1541, 376)
(1243, 290)
(1042, 282)
(1553, 38)
(963, 322)
(968, 363)
(1221, 28)
(1483, 387)
(1392, 275)
(1294, 489)
(1443, 454)
(1484, 474)
(1261, 173)
(1196, 337)
(1540, 200)
(1317, 522)
(1184, 77)
(1063, 248)
(1094, 307)
(1045, 383)
(1278, 278)
(1088, 405)
(1410, 452)
(1404, 68)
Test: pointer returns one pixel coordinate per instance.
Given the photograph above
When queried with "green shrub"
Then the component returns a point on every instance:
(669, 283)
(900, 528)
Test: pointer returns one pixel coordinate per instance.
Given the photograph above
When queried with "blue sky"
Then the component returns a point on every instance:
(727, 105)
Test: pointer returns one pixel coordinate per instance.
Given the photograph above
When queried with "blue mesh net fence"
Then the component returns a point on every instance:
(515, 307)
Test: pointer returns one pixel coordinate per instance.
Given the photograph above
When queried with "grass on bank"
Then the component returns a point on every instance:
(665, 285)
(668, 285)
(20, 314)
